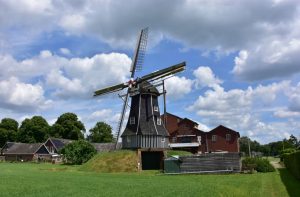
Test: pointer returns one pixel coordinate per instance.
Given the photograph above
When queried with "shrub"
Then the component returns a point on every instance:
(78, 152)
(258, 164)
(286, 151)
(292, 163)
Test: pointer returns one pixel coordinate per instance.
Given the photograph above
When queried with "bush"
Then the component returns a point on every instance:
(258, 164)
(286, 151)
(78, 152)
(292, 163)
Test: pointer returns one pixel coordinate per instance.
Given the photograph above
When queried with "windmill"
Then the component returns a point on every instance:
(144, 128)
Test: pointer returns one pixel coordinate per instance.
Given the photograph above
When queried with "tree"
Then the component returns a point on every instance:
(34, 130)
(78, 152)
(3, 137)
(68, 126)
(101, 132)
(293, 141)
(9, 124)
(8, 130)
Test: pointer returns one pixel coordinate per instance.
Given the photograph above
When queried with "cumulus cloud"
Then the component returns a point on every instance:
(69, 77)
(21, 96)
(178, 87)
(220, 103)
(244, 110)
(106, 115)
(272, 59)
(205, 77)
(266, 31)
(286, 114)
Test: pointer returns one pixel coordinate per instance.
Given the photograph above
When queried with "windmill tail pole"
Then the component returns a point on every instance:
(122, 118)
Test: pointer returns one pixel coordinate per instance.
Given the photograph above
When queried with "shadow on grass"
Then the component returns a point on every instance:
(291, 183)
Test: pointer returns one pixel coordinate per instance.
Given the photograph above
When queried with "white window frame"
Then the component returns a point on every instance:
(132, 120)
(158, 121)
(174, 139)
(199, 139)
(214, 138)
(155, 108)
(228, 137)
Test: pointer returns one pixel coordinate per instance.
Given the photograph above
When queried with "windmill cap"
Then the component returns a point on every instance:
(146, 88)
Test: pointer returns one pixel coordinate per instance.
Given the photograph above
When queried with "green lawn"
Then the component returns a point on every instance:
(25, 179)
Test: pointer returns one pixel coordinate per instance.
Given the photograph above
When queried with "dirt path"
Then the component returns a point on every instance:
(276, 164)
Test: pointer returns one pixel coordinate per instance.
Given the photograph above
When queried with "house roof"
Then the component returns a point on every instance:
(188, 120)
(224, 128)
(59, 143)
(172, 115)
(21, 148)
(106, 147)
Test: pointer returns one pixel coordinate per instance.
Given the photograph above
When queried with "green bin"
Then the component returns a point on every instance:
(171, 165)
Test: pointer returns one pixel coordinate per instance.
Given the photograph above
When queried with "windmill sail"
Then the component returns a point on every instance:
(163, 73)
(139, 53)
(136, 64)
(110, 89)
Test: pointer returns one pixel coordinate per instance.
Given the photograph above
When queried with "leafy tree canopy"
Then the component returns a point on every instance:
(68, 126)
(33, 130)
(9, 124)
(78, 152)
(101, 132)
(8, 130)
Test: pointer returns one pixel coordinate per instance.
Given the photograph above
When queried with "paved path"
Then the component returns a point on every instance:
(276, 164)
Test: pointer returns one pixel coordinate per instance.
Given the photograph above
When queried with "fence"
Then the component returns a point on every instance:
(208, 163)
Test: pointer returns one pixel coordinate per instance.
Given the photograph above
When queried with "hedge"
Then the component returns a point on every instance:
(292, 163)
(258, 164)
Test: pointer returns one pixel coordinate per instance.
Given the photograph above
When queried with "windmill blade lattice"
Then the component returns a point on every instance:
(140, 51)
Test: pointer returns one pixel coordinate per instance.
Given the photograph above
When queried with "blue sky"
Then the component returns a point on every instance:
(242, 60)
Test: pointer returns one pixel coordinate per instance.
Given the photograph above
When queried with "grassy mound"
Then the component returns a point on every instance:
(178, 153)
(116, 161)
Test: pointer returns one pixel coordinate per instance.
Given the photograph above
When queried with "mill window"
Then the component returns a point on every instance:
(132, 120)
(155, 108)
(163, 139)
(214, 138)
(228, 137)
(158, 121)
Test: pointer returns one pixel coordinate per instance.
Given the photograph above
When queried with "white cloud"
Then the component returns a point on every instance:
(74, 23)
(69, 77)
(286, 114)
(21, 96)
(106, 115)
(65, 51)
(205, 77)
(178, 87)
(271, 59)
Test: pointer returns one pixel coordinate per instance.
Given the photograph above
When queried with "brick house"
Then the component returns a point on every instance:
(185, 135)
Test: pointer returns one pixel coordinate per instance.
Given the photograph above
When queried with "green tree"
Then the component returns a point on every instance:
(68, 126)
(101, 132)
(3, 137)
(8, 130)
(78, 152)
(293, 141)
(34, 130)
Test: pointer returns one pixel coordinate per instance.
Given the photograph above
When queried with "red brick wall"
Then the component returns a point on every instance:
(221, 144)
(172, 123)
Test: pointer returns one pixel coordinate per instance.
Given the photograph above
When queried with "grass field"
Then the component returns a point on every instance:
(27, 179)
